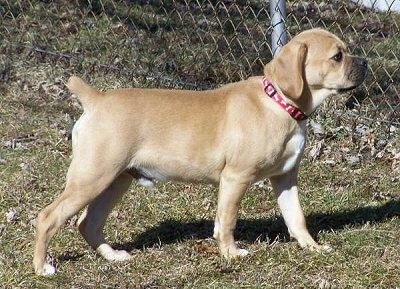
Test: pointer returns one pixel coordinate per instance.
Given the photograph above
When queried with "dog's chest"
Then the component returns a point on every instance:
(294, 150)
(288, 153)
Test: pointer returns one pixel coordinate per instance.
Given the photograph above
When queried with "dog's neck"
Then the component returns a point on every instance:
(313, 98)
(310, 99)
(282, 101)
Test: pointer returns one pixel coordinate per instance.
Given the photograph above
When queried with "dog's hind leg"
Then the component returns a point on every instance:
(92, 220)
(84, 184)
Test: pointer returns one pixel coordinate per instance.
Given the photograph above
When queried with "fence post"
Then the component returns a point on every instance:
(277, 10)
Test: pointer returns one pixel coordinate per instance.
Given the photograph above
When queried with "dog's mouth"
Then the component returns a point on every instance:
(356, 75)
(342, 90)
(357, 82)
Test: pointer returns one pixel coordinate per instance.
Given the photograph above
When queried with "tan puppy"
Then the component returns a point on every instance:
(232, 136)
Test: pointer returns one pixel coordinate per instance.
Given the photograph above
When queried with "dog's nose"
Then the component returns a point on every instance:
(362, 62)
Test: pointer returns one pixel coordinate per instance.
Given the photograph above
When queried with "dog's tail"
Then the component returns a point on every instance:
(85, 93)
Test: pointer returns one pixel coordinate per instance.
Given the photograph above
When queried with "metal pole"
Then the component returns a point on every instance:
(277, 10)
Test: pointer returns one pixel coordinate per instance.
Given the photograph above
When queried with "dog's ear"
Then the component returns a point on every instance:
(287, 69)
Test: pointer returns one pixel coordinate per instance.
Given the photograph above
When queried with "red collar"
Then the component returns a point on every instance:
(294, 112)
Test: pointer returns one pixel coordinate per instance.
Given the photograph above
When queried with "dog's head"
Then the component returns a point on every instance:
(315, 64)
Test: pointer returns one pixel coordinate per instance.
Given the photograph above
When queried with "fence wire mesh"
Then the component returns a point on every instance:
(196, 44)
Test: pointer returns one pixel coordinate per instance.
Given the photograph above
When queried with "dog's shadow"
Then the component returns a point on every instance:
(264, 230)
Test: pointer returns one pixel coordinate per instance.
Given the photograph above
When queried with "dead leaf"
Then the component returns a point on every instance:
(353, 160)
(69, 28)
(119, 28)
(203, 247)
(316, 150)
(317, 129)
(11, 216)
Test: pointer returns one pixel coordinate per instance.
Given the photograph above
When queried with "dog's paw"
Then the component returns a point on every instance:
(307, 242)
(146, 183)
(320, 248)
(233, 253)
(121, 255)
(243, 253)
(110, 254)
(46, 270)
(325, 249)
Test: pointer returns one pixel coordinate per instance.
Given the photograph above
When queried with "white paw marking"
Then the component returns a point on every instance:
(326, 248)
(319, 248)
(121, 255)
(243, 252)
(47, 270)
(237, 253)
(110, 254)
(146, 182)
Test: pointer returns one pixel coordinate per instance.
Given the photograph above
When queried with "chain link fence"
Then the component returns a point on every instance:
(195, 44)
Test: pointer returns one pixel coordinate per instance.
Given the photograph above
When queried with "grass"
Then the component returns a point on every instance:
(349, 177)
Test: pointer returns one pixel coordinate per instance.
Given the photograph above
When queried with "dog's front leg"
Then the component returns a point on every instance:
(285, 187)
(231, 191)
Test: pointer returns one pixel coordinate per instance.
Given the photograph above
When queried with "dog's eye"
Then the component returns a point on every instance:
(338, 57)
